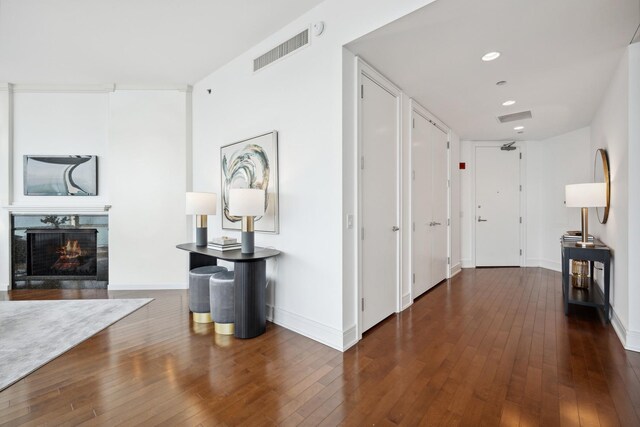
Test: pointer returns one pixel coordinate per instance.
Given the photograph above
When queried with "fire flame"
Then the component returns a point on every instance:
(70, 250)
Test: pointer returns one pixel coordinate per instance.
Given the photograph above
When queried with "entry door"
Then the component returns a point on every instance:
(497, 207)
(379, 202)
(430, 201)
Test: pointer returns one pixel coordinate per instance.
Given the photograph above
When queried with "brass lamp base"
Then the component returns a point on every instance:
(585, 244)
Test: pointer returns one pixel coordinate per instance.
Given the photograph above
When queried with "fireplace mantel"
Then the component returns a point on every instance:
(59, 210)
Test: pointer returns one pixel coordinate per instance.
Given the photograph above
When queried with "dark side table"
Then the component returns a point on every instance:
(592, 296)
(250, 280)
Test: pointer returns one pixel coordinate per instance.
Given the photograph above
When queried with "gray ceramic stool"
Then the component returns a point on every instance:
(199, 292)
(221, 292)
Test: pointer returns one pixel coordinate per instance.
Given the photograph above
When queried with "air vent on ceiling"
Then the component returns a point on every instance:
(282, 50)
(522, 115)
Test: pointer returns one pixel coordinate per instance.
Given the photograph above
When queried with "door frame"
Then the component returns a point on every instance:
(416, 108)
(362, 68)
(523, 197)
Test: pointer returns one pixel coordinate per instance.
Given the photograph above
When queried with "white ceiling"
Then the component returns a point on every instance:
(558, 57)
(132, 41)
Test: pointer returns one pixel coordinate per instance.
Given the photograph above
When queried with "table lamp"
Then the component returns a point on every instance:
(585, 196)
(201, 205)
(247, 203)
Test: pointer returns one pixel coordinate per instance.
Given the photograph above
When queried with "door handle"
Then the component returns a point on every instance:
(395, 228)
(481, 220)
(436, 223)
(430, 224)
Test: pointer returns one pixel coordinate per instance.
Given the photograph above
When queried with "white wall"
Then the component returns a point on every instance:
(6, 172)
(467, 212)
(147, 179)
(301, 97)
(609, 130)
(60, 124)
(634, 196)
(349, 194)
(557, 161)
(548, 165)
(615, 127)
(141, 139)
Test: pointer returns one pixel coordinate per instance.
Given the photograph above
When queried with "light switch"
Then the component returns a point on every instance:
(349, 221)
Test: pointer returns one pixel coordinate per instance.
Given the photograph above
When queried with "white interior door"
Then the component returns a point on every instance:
(497, 188)
(440, 211)
(379, 202)
(430, 204)
(422, 194)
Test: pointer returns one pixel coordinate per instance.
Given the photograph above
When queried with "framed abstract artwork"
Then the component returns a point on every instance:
(60, 175)
(251, 163)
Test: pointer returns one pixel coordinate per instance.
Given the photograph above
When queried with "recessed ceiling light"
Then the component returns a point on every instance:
(490, 56)
(501, 83)
(509, 102)
(518, 128)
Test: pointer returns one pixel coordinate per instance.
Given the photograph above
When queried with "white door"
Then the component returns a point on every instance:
(422, 195)
(430, 204)
(497, 220)
(379, 202)
(439, 211)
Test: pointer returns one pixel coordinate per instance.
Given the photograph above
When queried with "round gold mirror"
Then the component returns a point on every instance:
(601, 174)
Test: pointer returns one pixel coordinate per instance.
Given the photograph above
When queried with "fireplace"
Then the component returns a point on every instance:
(69, 253)
(60, 251)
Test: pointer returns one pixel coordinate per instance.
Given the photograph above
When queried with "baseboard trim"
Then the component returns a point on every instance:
(457, 268)
(633, 341)
(349, 338)
(619, 328)
(406, 301)
(317, 331)
(145, 286)
(630, 339)
(550, 265)
(466, 263)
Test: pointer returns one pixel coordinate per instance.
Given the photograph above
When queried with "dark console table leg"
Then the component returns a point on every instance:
(565, 281)
(199, 260)
(249, 282)
(607, 278)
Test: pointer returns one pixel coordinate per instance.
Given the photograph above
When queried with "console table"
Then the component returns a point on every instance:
(593, 295)
(250, 280)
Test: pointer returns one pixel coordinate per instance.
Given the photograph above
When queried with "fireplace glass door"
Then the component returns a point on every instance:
(59, 252)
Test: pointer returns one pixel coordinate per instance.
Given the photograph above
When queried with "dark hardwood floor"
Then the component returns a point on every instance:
(490, 347)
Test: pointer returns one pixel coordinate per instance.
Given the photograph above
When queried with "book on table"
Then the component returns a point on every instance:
(224, 241)
(224, 247)
(575, 236)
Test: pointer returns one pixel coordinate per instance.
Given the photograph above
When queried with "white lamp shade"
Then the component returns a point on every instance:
(246, 202)
(589, 195)
(201, 203)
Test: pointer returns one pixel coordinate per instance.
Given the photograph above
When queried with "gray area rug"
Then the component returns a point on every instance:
(33, 333)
